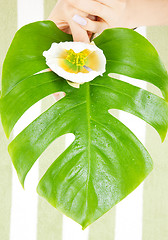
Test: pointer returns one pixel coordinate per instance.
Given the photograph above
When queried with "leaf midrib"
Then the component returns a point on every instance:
(89, 134)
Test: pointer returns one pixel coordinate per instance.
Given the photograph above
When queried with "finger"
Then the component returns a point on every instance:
(78, 33)
(93, 8)
(116, 6)
(112, 3)
(89, 25)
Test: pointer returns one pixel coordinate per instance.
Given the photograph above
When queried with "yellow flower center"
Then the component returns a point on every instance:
(74, 62)
(78, 59)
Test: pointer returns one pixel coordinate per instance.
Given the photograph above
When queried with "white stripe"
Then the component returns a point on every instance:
(24, 202)
(29, 11)
(71, 229)
(129, 211)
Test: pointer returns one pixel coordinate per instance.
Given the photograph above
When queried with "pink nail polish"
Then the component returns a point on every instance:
(80, 20)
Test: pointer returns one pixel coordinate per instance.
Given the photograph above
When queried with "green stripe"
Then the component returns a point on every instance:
(8, 20)
(155, 207)
(48, 6)
(5, 187)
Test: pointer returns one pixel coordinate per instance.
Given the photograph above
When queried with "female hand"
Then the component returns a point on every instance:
(109, 13)
(120, 13)
(62, 16)
(81, 18)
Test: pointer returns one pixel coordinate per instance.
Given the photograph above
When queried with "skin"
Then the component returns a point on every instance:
(62, 15)
(103, 14)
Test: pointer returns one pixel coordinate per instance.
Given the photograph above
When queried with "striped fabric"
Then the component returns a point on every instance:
(143, 215)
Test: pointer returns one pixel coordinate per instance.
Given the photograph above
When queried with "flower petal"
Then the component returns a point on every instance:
(56, 59)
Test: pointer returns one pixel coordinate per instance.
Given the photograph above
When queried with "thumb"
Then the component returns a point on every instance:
(78, 33)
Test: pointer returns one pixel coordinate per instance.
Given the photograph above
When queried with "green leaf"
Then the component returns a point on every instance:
(130, 54)
(23, 60)
(106, 161)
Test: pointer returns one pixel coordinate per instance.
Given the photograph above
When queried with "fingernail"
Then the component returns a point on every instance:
(80, 20)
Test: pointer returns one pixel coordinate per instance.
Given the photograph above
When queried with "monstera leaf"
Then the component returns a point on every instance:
(106, 161)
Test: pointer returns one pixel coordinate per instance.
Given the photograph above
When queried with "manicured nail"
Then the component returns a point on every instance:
(80, 20)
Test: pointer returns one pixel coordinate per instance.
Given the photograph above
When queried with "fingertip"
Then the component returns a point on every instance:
(77, 38)
(78, 33)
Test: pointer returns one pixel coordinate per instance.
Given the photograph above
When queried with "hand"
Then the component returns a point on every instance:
(121, 13)
(110, 13)
(62, 15)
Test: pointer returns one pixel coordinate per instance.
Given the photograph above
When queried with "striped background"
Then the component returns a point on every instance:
(143, 215)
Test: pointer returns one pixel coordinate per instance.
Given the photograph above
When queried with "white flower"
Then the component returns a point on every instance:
(76, 61)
